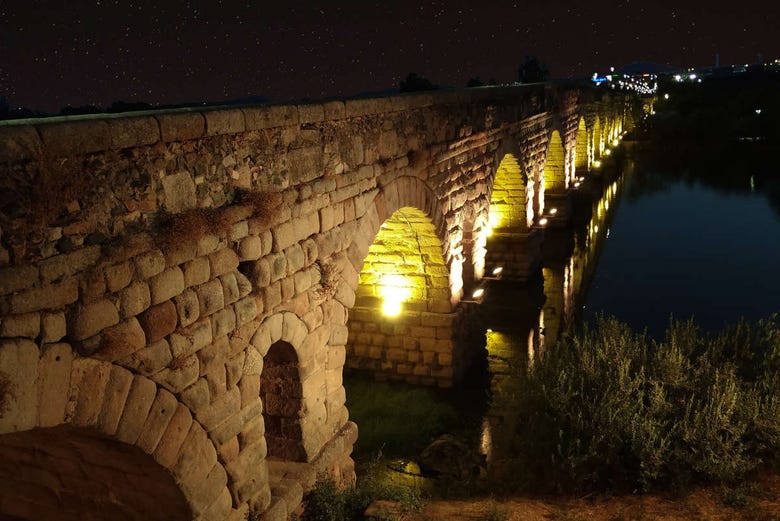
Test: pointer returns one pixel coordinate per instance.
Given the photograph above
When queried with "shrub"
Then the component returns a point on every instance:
(614, 409)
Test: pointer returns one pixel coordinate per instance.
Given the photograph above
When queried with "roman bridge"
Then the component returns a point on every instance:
(181, 291)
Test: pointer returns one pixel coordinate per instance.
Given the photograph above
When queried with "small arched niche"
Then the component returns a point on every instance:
(281, 392)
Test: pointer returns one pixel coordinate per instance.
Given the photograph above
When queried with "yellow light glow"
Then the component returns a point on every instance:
(543, 221)
(577, 184)
(478, 293)
(607, 151)
(498, 271)
(553, 211)
(615, 142)
(597, 164)
(394, 290)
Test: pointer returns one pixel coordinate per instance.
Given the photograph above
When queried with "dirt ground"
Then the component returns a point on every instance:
(756, 502)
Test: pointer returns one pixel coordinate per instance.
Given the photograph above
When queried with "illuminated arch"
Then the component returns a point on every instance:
(597, 143)
(404, 269)
(107, 412)
(554, 165)
(581, 148)
(511, 200)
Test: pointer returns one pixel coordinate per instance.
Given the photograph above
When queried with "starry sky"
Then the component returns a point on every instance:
(71, 52)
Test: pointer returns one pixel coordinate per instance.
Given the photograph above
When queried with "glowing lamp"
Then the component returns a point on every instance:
(553, 211)
(543, 221)
(615, 142)
(394, 292)
(597, 164)
(497, 271)
(607, 151)
(577, 184)
(478, 293)
(666, 96)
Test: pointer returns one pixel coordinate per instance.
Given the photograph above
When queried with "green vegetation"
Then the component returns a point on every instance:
(613, 409)
(396, 420)
(326, 502)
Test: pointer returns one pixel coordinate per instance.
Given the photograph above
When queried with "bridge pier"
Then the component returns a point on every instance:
(558, 209)
(517, 252)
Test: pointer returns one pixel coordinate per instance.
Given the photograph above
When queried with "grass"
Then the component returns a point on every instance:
(395, 420)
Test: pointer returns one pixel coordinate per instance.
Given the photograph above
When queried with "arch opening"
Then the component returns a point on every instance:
(511, 200)
(555, 165)
(582, 159)
(281, 393)
(71, 473)
(401, 325)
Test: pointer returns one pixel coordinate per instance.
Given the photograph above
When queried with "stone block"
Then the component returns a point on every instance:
(187, 307)
(17, 278)
(166, 285)
(167, 451)
(224, 121)
(283, 236)
(117, 389)
(72, 138)
(52, 296)
(149, 264)
(121, 340)
(139, 402)
(210, 297)
(190, 340)
(184, 250)
(67, 264)
(223, 261)
(197, 271)
(118, 276)
(53, 327)
(54, 368)
(181, 126)
(133, 132)
(150, 359)
(197, 395)
(134, 299)
(163, 408)
(27, 325)
(89, 320)
(229, 288)
(180, 374)
(223, 322)
(87, 388)
(258, 118)
(196, 457)
(159, 321)
(250, 248)
(19, 369)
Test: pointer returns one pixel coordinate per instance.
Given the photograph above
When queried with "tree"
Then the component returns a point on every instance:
(413, 83)
(532, 70)
(475, 82)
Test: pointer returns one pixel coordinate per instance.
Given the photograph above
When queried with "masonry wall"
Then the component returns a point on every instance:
(149, 261)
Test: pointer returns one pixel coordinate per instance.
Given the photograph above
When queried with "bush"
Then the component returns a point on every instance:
(614, 409)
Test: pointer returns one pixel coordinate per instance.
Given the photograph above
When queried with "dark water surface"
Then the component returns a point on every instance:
(697, 237)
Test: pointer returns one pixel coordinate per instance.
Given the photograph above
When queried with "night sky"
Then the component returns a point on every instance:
(57, 53)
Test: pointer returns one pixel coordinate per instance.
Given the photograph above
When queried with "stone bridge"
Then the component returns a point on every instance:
(182, 291)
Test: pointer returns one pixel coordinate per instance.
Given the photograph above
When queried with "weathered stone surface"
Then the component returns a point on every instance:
(134, 299)
(139, 401)
(159, 321)
(121, 340)
(166, 285)
(27, 325)
(52, 296)
(19, 373)
(91, 319)
(179, 192)
(54, 370)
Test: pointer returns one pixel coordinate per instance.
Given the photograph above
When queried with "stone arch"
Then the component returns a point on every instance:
(597, 143)
(554, 164)
(286, 339)
(582, 160)
(55, 391)
(409, 281)
(511, 199)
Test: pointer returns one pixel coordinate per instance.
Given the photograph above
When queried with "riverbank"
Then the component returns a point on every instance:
(753, 501)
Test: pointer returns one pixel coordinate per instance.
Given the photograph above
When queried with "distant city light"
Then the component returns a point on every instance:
(666, 96)
(758, 111)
